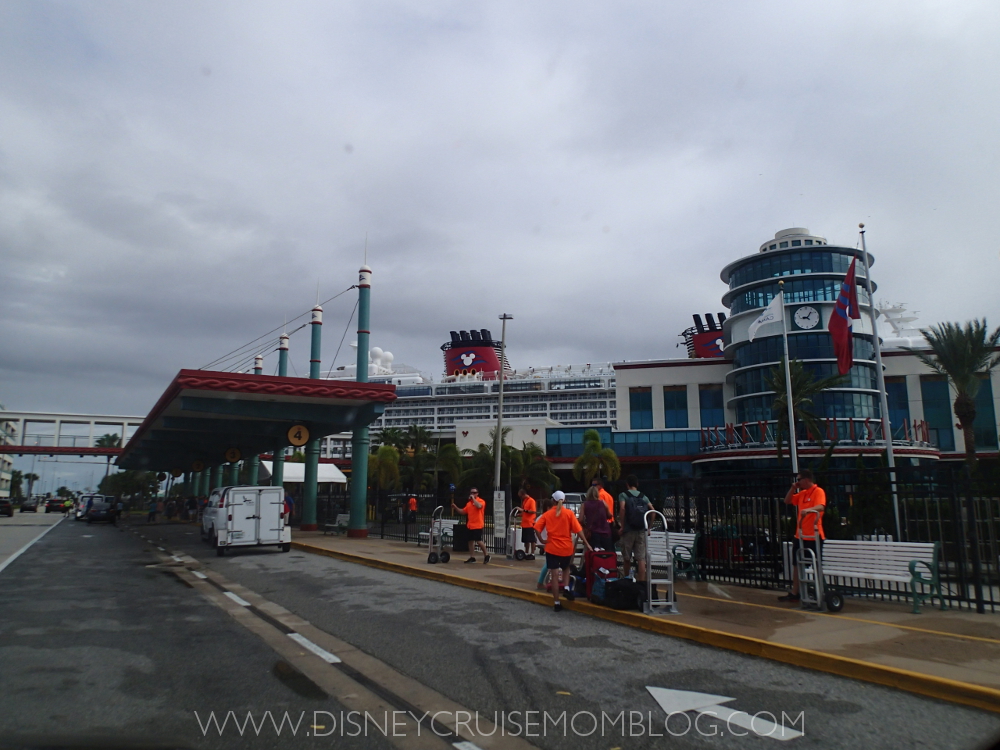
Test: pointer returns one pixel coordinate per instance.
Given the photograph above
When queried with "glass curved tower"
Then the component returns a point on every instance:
(813, 272)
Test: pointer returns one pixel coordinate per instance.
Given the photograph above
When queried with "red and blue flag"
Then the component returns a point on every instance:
(844, 312)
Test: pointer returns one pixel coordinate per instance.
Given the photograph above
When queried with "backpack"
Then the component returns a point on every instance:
(635, 511)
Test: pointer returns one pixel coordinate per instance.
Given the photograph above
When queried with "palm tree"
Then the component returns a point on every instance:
(417, 470)
(805, 387)
(530, 469)
(108, 440)
(16, 478)
(383, 468)
(417, 438)
(449, 460)
(393, 436)
(596, 460)
(481, 463)
(963, 354)
(31, 477)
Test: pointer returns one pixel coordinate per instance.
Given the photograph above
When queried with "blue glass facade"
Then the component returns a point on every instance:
(567, 442)
(675, 407)
(713, 411)
(797, 290)
(800, 346)
(769, 265)
(985, 426)
(640, 404)
(899, 405)
(937, 411)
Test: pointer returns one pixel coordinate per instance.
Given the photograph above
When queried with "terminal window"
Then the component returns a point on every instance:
(937, 411)
(675, 407)
(641, 408)
(713, 413)
(986, 422)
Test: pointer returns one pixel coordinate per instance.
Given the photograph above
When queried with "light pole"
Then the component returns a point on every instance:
(500, 513)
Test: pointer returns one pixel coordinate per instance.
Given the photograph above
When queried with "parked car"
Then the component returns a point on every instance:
(29, 505)
(101, 510)
(80, 508)
(6, 507)
(54, 505)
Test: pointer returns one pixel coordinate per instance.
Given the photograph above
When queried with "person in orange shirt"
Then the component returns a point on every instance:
(606, 498)
(412, 518)
(805, 495)
(561, 525)
(475, 513)
(604, 495)
(528, 509)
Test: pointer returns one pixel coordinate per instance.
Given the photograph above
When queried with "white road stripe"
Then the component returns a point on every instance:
(161, 549)
(310, 646)
(465, 745)
(199, 574)
(24, 549)
(175, 557)
(238, 600)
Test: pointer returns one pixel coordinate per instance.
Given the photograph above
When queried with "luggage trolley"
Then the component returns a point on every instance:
(515, 547)
(659, 561)
(809, 562)
(435, 538)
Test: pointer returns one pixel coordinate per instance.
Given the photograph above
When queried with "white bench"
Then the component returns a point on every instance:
(339, 526)
(911, 563)
(447, 532)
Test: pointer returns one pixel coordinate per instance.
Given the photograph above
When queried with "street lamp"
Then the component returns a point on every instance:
(500, 516)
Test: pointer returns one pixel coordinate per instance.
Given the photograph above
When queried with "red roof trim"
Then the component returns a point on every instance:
(272, 385)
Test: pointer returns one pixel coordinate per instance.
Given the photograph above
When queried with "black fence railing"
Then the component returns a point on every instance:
(745, 530)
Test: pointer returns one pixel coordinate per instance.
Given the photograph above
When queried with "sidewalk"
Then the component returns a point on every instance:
(953, 655)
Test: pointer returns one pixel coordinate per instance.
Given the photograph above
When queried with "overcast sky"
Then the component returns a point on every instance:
(176, 178)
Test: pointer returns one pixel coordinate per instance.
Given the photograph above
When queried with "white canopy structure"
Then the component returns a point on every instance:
(295, 473)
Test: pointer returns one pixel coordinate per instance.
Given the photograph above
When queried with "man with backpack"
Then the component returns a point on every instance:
(632, 507)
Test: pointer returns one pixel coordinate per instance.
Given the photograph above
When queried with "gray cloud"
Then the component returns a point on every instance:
(175, 179)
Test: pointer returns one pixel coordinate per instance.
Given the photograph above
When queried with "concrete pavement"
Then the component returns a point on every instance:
(953, 655)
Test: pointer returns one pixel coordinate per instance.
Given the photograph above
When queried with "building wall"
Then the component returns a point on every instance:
(655, 375)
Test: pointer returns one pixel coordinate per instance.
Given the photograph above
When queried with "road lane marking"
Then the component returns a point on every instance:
(242, 602)
(310, 646)
(24, 549)
(200, 574)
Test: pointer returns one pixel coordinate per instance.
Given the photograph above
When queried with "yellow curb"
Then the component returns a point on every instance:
(941, 688)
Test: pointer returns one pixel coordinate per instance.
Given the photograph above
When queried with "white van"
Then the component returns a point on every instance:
(246, 516)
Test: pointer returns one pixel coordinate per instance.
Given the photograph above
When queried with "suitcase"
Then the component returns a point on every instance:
(597, 564)
(624, 594)
(598, 591)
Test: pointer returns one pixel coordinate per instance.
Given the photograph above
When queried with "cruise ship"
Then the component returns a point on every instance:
(467, 392)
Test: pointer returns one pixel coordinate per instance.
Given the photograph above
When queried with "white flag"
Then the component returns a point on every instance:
(772, 314)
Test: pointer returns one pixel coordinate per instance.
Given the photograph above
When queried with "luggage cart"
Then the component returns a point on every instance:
(813, 594)
(515, 547)
(435, 538)
(660, 597)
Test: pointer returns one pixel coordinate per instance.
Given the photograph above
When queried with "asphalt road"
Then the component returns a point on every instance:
(94, 644)
(18, 530)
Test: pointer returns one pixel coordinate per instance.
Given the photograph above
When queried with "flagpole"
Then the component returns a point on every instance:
(792, 441)
(883, 399)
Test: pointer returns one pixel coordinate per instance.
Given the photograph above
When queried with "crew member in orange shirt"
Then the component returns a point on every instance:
(413, 510)
(561, 525)
(604, 495)
(475, 513)
(528, 509)
(805, 495)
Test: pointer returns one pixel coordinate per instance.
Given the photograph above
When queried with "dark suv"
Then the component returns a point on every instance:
(29, 505)
(101, 511)
(6, 507)
(54, 505)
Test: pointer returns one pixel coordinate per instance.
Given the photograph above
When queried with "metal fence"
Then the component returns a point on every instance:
(745, 529)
